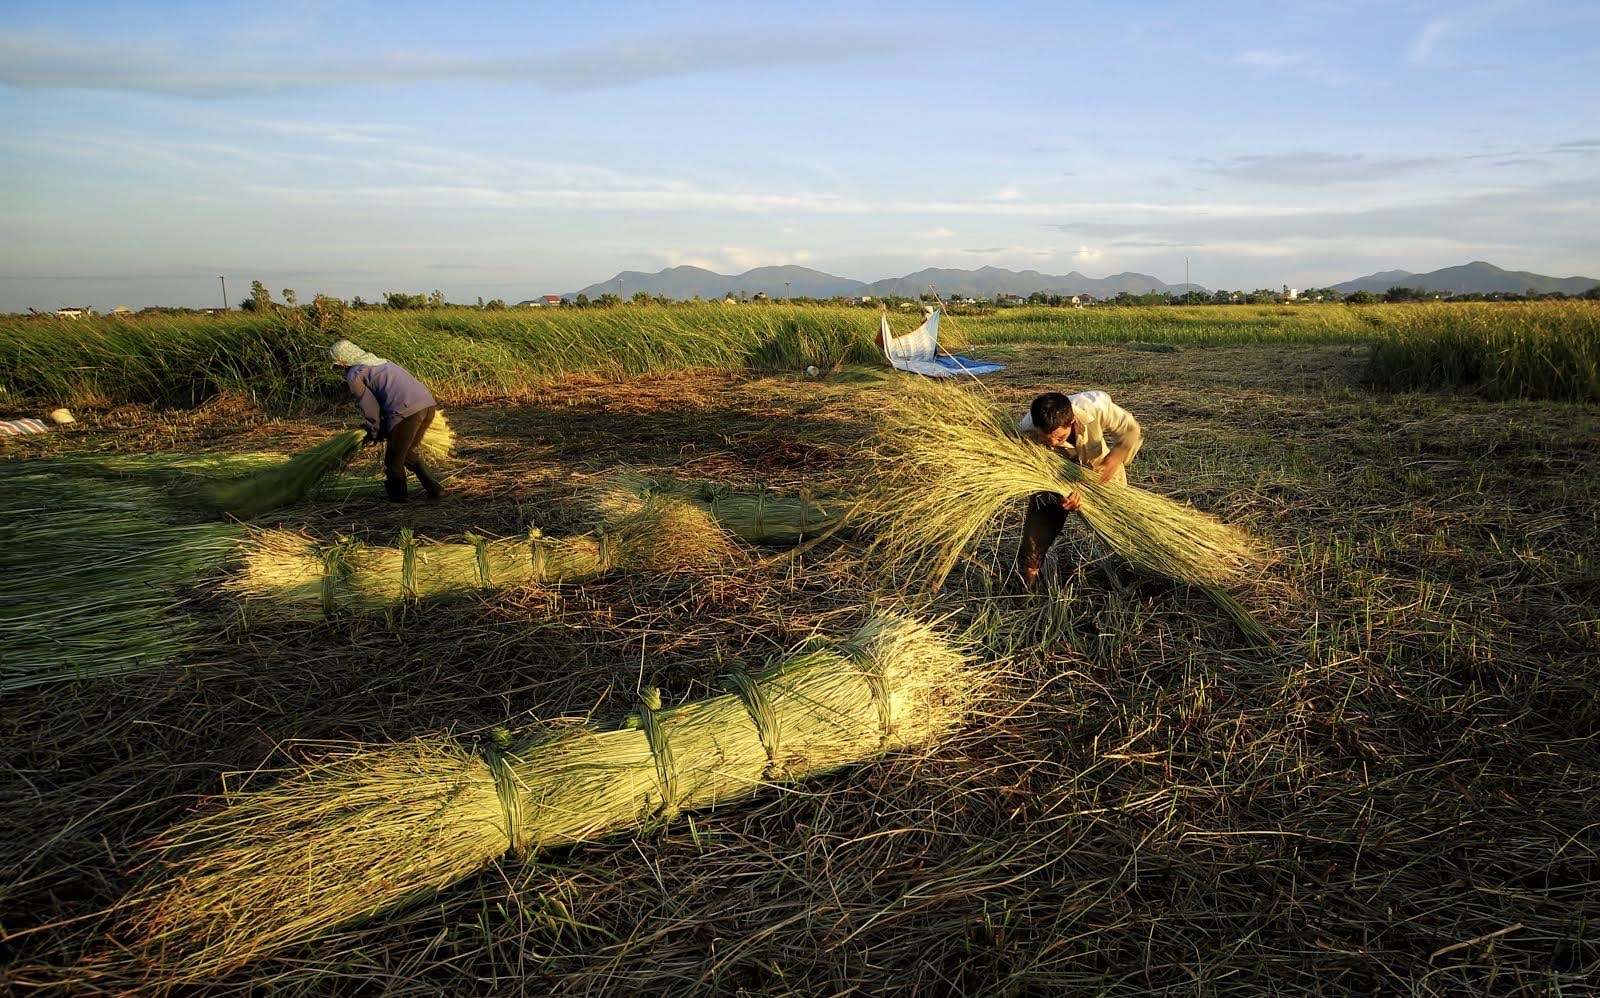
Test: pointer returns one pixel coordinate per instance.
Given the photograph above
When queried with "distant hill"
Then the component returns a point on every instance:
(684, 283)
(986, 282)
(1477, 277)
(803, 282)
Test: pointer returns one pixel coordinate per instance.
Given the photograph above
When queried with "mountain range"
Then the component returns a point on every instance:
(1477, 277)
(802, 282)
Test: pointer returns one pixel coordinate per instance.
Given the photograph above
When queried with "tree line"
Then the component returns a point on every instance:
(261, 299)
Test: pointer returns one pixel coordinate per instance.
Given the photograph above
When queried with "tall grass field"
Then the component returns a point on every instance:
(1503, 350)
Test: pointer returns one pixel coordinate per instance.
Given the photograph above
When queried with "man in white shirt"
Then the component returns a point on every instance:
(1091, 430)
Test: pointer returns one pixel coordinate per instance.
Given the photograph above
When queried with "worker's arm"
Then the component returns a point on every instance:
(1120, 424)
(366, 401)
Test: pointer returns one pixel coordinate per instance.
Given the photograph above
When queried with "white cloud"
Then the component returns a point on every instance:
(749, 202)
(1006, 194)
(1087, 255)
(1033, 255)
(734, 259)
(144, 65)
(937, 232)
(339, 132)
(1318, 168)
(1310, 66)
(1422, 48)
(1268, 59)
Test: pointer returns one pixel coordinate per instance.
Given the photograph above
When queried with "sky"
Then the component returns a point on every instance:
(511, 150)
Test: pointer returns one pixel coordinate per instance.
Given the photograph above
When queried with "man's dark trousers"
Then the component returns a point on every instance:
(403, 455)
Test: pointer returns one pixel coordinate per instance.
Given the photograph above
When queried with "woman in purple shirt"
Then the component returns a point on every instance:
(397, 408)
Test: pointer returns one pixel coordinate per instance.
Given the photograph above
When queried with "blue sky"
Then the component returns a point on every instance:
(513, 150)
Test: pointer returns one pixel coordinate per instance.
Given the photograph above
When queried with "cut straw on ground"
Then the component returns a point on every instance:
(377, 828)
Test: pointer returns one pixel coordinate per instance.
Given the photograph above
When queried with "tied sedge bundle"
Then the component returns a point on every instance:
(947, 464)
(285, 575)
(376, 827)
(755, 516)
(293, 480)
(95, 583)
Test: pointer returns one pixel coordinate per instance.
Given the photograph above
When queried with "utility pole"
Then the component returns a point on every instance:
(224, 281)
(786, 291)
(619, 289)
(1187, 291)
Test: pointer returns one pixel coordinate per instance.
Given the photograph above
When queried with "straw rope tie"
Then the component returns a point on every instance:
(408, 564)
(505, 786)
(871, 673)
(536, 554)
(767, 720)
(666, 766)
(480, 549)
(334, 568)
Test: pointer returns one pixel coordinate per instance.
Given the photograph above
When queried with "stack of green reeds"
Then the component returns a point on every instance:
(378, 827)
(947, 463)
(756, 516)
(95, 583)
(276, 487)
(286, 575)
(288, 483)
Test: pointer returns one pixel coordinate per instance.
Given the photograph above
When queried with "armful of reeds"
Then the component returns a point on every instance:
(947, 463)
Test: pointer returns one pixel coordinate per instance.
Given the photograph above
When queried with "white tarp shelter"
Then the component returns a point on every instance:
(918, 351)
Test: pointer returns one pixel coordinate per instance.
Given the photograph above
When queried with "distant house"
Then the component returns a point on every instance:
(122, 310)
(543, 301)
(73, 312)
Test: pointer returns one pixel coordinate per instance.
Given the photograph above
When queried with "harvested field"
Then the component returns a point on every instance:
(1394, 795)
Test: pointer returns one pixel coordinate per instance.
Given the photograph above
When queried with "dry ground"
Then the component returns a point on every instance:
(1395, 796)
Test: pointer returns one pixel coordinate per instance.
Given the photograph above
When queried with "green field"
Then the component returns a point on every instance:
(1394, 794)
(1504, 350)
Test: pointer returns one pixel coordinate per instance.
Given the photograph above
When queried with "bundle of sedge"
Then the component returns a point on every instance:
(756, 516)
(286, 575)
(288, 483)
(946, 464)
(377, 827)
